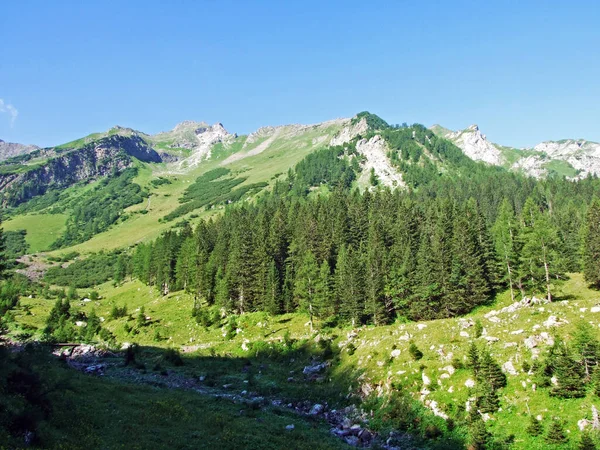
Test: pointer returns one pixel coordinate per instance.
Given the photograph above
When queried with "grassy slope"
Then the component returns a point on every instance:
(42, 229)
(282, 154)
(171, 316)
(107, 413)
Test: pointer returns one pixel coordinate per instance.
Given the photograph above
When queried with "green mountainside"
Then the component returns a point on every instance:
(349, 283)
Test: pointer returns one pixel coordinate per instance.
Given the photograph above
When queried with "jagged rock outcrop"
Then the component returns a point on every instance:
(375, 152)
(100, 158)
(576, 158)
(199, 137)
(350, 131)
(11, 149)
(476, 146)
(583, 155)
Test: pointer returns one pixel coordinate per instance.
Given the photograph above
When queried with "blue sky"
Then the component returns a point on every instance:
(524, 71)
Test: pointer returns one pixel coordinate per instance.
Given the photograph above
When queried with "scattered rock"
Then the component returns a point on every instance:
(314, 369)
(316, 409)
(583, 424)
(353, 441)
(426, 379)
(509, 368)
(290, 427)
(553, 321)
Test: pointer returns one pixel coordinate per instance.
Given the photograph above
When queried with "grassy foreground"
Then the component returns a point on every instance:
(103, 413)
(366, 359)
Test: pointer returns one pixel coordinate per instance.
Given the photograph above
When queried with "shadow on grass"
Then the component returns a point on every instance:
(283, 378)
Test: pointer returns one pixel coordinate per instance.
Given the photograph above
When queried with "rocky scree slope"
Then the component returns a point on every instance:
(575, 158)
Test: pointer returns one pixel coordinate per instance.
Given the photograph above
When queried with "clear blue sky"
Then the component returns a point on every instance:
(525, 71)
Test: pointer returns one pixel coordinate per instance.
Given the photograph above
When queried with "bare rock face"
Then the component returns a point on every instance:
(476, 146)
(11, 149)
(581, 156)
(99, 158)
(375, 151)
(349, 132)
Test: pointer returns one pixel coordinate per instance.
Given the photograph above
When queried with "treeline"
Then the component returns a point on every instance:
(371, 257)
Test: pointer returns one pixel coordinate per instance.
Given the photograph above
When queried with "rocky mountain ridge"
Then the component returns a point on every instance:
(100, 158)
(574, 158)
(12, 149)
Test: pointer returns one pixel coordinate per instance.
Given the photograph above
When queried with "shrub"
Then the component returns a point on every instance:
(414, 351)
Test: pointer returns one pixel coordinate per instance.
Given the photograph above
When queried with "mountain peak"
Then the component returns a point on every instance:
(473, 127)
(190, 124)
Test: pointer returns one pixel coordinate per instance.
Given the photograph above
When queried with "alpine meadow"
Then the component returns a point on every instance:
(354, 282)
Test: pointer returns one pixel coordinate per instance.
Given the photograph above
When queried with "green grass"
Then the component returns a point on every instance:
(561, 169)
(42, 229)
(100, 412)
(143, 224)
(439, 340)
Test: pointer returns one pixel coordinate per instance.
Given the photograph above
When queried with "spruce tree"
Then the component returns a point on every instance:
(120, 271)
(587, 346)
(272, 302)
(375, 304)
(591, 245)
(473, 358)
(349, 285)
(570, 377)
(323, 296)
(586, 442)
(556, 433)
(490, 371)
(305, 285)
(505, 232)
(3, 259)
(487, 397)
(596, 381)
(535, 427)
(480, 437)
(469, 285)
(540, 254)
(186, 265)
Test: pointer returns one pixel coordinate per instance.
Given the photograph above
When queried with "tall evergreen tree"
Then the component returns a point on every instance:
(323, 296)
(505, 232)
(305, 287)
(186, 264)
(540, 254)
(591, 245)
(587, 346)
(272, 302)
(3, 259)
(569, 377)
(490, 371)
(349, 285)
(469, 284)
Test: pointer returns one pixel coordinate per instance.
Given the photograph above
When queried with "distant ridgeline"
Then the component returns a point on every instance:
(459, 232)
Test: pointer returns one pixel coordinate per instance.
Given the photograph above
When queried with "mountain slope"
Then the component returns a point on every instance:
(47, 181)
(574, 158)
